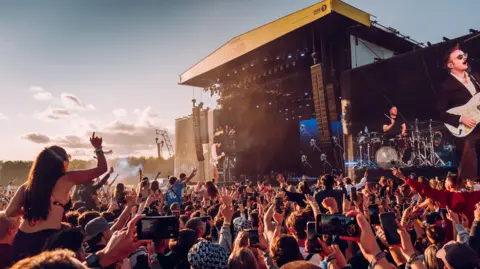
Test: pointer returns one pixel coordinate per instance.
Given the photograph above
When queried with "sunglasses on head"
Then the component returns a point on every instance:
(461, 56)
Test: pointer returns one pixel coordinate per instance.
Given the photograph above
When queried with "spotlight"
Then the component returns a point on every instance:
(473, 31)
(308, 104)
(302, 54)
(306, 93)
(289, 56)
(270, 103)
(278, 57)
(265, 59)
(286, 119)
(258, 106)
(235, 71)
(446, 39)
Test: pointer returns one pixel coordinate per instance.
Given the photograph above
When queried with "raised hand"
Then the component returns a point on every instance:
(96, 141)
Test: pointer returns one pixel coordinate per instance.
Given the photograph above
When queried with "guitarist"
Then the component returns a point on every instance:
(456, 91)
(214, 158)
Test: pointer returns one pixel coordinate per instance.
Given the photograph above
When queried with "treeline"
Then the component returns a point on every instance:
(127, 168)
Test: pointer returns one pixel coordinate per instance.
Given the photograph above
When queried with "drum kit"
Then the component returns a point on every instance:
(420, 147)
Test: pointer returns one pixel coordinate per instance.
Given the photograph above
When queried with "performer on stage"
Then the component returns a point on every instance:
(456, 91)
(214, 158)
(392, 126)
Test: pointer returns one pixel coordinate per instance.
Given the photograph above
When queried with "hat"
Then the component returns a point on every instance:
(95, 227)
(458, 255)
(207, 255)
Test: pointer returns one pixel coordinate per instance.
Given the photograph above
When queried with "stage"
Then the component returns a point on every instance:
(311, 97)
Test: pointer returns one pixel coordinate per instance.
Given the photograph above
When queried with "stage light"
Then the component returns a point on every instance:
(265, 59)
(278, 57)
(252, 64)
(270, 103)
(286, 109)
(289, 56)
(308, 104)
(286, 119)
(235, 71)
(306, 93)
(446, 39)
(258, 106)
(228, 74)
(302, 54)
(473, 31)
(243, 68)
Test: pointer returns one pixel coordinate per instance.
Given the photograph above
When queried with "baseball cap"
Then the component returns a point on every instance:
(458, 255)
(95, 227)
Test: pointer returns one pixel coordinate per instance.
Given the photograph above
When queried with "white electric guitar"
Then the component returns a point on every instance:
(470, 110)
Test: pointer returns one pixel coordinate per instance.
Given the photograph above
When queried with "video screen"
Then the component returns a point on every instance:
(315, 160)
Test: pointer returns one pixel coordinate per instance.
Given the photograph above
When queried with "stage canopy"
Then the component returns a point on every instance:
(289, 35)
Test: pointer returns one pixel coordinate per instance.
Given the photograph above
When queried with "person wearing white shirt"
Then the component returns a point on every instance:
(214, 158)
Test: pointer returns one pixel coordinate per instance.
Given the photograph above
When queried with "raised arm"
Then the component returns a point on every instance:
(83, 176)
(192, 175)
(441, 196)
(104, 180)
(15, 207)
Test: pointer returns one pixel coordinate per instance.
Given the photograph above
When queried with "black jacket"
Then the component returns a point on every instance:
(453, 94)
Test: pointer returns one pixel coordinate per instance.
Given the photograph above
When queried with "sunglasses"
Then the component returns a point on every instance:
(461, 56)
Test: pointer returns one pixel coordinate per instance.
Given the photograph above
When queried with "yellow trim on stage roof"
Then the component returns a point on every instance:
(262, 35)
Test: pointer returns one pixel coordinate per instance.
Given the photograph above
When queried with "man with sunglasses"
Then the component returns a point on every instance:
(457, 90)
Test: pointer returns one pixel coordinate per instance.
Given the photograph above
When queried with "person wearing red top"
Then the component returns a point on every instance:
(459, 202)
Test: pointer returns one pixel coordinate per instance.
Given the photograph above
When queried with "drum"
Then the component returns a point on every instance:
(402, 143)
(387, 158)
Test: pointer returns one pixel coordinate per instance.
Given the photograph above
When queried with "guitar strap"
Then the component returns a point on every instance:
(475, 82)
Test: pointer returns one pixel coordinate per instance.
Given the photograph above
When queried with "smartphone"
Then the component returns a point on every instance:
(340, 225)
(443, 212)
(353, 194)
(279, 205)
(254, 219)
(390, 228)
(312, 237)
(158, 227)
(374, 214)
(253, 237)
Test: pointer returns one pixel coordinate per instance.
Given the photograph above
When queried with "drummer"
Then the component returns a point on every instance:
(393, 128)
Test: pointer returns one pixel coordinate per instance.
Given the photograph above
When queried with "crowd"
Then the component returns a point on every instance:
(71, 219)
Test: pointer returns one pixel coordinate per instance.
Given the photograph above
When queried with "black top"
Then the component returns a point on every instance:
(453, 94)
(395, 130)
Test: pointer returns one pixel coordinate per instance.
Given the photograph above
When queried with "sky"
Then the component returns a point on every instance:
(69, 67)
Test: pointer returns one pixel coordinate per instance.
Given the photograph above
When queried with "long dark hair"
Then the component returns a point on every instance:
(44, 174)
(119, 191)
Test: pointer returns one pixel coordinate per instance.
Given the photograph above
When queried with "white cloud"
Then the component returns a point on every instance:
(120, 112)
(43, 96)
(54, 114)
(40, 93)
(3, 117)
(71, 101)
(124, 138)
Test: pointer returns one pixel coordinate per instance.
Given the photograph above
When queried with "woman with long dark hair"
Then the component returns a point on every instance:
(44, 199)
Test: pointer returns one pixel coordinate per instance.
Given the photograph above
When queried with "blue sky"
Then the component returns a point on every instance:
(68, 67)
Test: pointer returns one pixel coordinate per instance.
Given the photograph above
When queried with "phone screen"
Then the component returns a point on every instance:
(254, 219)
(253, 237)
(344, 226)
(161, 227)
(312, 237)
(374, 214)
(353, 194)
(390, 228)
(279, 205)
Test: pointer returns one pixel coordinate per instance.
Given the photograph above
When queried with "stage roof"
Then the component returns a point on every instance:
(267, 33)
